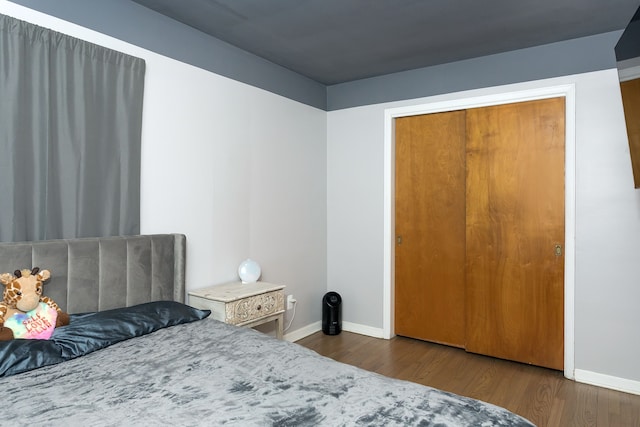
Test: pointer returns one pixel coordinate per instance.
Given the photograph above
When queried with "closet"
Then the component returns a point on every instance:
(479, 208)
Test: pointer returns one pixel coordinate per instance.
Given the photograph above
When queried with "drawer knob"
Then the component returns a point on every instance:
(259, 307)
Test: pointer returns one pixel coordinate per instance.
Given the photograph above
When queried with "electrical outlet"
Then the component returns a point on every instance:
(290, 302)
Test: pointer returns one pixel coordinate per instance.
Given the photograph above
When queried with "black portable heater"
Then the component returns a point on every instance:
(332, 313)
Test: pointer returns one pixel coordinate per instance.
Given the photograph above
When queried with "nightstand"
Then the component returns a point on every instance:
(241, 304)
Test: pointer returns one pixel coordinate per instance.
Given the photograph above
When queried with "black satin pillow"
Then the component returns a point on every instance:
(23, 355)
(89, 332)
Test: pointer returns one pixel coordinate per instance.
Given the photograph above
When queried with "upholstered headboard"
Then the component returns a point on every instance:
(95, 274)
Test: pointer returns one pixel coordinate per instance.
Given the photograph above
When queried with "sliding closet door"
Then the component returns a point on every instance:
(515, 232)
(430, 231)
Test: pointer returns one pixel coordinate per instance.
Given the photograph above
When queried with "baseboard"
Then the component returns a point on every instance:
(356, 328)
(363, 329)
(303, 332)
(607, 381)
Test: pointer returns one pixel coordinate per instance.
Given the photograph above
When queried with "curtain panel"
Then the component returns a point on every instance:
(70, 136)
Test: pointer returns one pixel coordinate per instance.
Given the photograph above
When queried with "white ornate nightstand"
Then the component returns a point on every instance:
(249, 304)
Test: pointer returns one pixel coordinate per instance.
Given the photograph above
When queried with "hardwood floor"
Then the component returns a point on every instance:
(541, 395)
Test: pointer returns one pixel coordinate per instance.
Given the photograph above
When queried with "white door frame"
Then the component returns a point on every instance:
(566, 91)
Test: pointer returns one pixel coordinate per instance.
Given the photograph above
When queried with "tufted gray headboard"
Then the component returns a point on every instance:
(99, 273)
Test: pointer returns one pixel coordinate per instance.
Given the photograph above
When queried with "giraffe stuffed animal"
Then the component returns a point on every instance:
(24, 311)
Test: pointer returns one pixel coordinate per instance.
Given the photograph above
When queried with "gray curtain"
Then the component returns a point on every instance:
(70, 131)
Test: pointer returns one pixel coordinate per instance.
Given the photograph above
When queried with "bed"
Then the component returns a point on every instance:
(135, 354)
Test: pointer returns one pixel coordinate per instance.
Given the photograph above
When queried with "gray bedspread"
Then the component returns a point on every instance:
(207, 373)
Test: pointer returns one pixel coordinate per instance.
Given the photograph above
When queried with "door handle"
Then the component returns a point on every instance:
(558, 250)
(399, 239)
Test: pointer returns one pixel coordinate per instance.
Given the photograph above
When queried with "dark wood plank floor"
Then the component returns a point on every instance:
(541, 395)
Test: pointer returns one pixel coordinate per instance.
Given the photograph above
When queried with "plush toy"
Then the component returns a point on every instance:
(25, 312)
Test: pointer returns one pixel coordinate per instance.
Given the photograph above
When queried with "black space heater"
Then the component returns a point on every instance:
(332, 313)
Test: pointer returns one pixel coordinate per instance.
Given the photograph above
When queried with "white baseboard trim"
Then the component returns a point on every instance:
(607, 381)
(363, 329)
(303, 332)
(356, 328)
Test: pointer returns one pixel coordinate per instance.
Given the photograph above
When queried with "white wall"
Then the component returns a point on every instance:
(354, 212)
(239, 170)
(607, 221)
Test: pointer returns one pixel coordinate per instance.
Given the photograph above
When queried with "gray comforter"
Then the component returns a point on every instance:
(207, 373)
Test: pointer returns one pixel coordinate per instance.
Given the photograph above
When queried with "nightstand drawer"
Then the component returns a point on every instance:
(254, 307)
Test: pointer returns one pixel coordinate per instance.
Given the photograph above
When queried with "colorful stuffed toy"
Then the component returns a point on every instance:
(26, 313)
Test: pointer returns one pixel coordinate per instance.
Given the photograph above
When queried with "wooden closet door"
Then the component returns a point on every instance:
(430, 217)
(515, 232)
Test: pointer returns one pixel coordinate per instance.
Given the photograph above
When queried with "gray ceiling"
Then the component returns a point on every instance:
(335, 41)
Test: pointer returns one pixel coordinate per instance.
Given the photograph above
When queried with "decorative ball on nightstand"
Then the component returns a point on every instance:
(249, 271)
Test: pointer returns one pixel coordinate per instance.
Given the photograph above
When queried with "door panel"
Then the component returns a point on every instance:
(515, 232)
(631, 102)
(430, 217)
